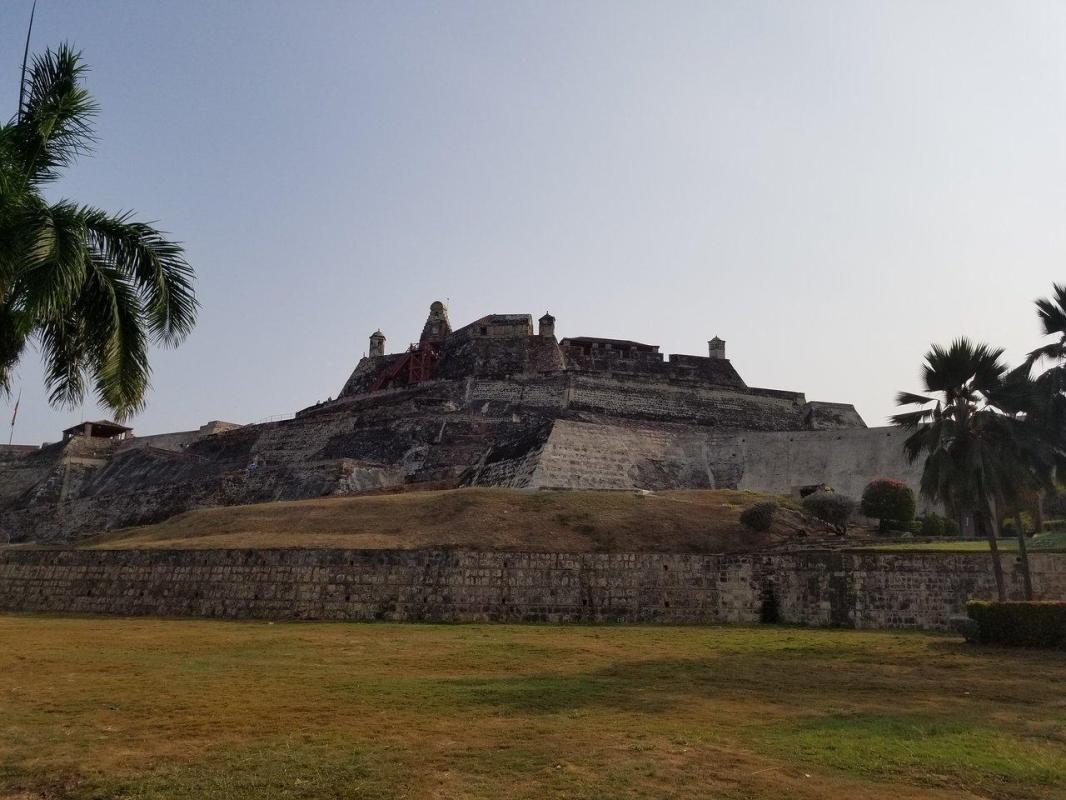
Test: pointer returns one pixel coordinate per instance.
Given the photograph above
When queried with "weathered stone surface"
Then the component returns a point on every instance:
(491, 403)
(853, 589)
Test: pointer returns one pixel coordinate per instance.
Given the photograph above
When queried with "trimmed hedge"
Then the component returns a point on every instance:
(1021, 624)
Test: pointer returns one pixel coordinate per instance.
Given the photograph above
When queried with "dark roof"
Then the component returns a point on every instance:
(100, 425)
(601, 340)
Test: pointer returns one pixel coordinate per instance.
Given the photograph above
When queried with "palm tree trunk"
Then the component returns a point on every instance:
(992, 530)
(1023, 553)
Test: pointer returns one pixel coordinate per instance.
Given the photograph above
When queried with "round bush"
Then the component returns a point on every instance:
(951, 527)
(759, 517)
(831, 508)
(932, 525)
(888, 501)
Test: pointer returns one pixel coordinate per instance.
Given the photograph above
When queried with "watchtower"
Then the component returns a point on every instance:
(546, 325)
(437, 325)
(377, 344)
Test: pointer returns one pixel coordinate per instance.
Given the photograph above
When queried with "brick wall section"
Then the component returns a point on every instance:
(816, 588)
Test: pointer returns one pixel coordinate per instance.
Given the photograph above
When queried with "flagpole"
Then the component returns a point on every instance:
(11, 435)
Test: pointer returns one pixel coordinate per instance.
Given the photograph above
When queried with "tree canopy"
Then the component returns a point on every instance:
(92, 290)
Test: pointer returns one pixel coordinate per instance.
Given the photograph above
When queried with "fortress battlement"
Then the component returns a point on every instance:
(493, 403)
(504, 346)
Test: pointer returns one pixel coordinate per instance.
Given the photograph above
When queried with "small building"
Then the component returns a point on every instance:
(100, 429)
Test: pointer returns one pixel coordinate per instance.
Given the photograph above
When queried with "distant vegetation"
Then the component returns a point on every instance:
(759, 517)
(889, 501)
(831, 508)
(992, 438)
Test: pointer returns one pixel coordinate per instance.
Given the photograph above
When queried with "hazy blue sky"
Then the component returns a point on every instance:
(829, 186)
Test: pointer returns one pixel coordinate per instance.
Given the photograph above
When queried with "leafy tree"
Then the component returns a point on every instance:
(91, 289)
(833, 509)
(889, 501)
(967, 444)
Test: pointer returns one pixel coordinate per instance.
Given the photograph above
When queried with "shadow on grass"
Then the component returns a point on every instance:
(792, 677)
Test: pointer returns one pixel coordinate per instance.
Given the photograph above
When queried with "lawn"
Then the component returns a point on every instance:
(1052, 541)
(141, 708)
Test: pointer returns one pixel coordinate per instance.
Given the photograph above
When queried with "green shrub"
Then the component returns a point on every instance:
(951, 527)
(831, 508)
(890, 501)
(1021, 624)
(759, 517)
(1055, 525)
(932, 525)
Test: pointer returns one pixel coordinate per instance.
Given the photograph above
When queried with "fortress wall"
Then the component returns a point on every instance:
(538, 393)
(80, 517)
(864, 590)
(592, 456)
(176, 441)
(845, 459)
(581, 455)
(667, 401)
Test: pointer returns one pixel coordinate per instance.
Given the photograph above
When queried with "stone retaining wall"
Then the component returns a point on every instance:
(856, 589)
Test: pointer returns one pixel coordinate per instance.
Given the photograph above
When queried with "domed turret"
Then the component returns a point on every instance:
(437, 325)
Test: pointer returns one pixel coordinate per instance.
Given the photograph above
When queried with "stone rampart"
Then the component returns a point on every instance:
(580, 455)
(854, 589)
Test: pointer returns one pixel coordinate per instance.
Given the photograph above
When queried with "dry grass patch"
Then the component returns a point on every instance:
(502, 519)
(113, 708)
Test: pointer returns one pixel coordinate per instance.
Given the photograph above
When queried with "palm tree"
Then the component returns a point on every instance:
(1040, 404)
(966, 443)
(1031, 455)
(91, 289)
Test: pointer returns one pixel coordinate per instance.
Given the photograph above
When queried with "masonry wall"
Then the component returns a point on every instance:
(580, 455)
(815, 588)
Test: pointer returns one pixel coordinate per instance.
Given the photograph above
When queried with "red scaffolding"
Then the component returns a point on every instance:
(414, 366)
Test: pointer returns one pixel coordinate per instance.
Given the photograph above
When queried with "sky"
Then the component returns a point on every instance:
(828, 186)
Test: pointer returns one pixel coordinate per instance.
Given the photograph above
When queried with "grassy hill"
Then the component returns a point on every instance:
(496, 519)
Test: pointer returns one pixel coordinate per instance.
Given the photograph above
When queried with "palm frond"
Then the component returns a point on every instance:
(54, 125)
(62, 342)
(54, 266)
(156, 266)
(1052, 311)
(111, 309)
(12, 344)
(909, 399)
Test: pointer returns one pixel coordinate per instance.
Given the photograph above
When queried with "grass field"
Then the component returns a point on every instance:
(1052, 541)
(494, 519)
(119, 708)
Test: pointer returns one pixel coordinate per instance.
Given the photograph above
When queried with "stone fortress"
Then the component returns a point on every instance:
(493, 403)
